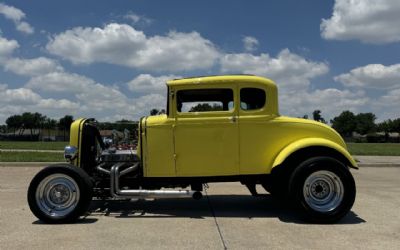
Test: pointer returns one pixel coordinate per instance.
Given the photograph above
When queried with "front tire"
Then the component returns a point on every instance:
(60, 194)
(323, 188)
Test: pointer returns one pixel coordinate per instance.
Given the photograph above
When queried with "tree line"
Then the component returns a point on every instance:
(363, 123)
(31, 121)
(18, 124)
(347, 123)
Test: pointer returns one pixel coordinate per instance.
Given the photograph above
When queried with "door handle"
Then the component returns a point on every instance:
(233, 118)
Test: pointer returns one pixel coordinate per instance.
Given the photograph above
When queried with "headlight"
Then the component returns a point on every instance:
(70, 153)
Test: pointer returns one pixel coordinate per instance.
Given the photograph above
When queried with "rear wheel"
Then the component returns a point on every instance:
(60, 194)
(323, 188)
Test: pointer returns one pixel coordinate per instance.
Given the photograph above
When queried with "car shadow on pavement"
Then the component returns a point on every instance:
(220, 206)
(80, 221)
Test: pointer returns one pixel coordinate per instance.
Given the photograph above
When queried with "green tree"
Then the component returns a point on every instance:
(49, 124)
(154, 112)
(395, 126)
(65, 124)
(385, 127)
(345, 124)
(202, 107)
(32, 121)
(365, 123)
(317, 116)
(14, 122)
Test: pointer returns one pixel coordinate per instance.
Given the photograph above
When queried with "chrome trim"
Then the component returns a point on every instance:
(70, 153)
(116, 192)
(57, 195)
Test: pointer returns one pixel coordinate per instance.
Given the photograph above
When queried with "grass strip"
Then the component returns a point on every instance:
(31, 157)
(37, 145)
(378, 149)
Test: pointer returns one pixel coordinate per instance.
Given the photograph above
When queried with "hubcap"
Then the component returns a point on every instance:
(323, 191)
(57, 195)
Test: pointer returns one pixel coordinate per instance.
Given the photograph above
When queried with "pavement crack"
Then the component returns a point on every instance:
(216, 221)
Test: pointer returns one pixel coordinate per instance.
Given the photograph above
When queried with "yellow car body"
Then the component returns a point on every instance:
(224, 143)
(216, 129)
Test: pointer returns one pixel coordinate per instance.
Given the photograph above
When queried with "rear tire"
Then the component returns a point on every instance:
(323, 188)
(60, 194)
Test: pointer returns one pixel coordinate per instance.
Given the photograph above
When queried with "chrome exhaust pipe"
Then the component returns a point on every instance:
(116, 192)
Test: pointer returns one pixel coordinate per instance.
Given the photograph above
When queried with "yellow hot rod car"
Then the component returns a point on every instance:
(216, 129)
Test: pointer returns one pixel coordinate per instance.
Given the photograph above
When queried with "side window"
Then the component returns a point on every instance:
(204, 100)
(252, 98)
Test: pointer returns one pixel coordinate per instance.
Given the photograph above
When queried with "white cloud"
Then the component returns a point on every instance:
(32, 67)
(293, 74)
(372, 76)
(60, 82)
(11, 12)
(122, 44)
(16, 15)
(145, 83)
(330, 101)
(250, 43)
(62, 104)
(289, 70)
(92, 95)
(7, 47)
(386, 106)
(19, 96)
(25, 27)
(135, 18)
(370, 21)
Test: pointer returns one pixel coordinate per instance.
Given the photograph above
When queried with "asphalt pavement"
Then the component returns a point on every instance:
(227, 217)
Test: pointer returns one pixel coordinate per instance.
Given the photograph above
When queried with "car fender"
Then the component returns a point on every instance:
(310, 142)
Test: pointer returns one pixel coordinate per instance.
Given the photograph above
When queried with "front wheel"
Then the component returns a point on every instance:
(323, 188)
(60, 194)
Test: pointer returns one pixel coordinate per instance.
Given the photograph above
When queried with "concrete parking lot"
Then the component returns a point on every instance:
(227, 218)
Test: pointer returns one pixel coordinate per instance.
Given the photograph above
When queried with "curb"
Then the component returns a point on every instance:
(380, 165)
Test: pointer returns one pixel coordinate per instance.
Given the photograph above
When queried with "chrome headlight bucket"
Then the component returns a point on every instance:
(70, 153)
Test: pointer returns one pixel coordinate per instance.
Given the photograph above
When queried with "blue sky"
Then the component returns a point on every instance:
(110, 60)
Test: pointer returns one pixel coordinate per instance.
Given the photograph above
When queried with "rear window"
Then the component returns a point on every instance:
(252, 98)
(205, 100)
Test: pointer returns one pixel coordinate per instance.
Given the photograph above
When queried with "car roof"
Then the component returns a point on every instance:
(221, 79)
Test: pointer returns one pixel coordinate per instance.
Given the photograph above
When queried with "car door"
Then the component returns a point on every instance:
(206, 131)
(257, 137)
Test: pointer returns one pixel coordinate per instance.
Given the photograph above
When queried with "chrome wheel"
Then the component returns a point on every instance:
(57, 195)
(323, 191)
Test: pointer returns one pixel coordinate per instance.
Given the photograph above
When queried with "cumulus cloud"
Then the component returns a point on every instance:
(122, 44)
(60, 82)
(287, 69)
(135, 18)
(372, 76)
(32, 67)
(16, 15)
(331, 101)
(370, 21)
(18, 100)
(250, 43)
(7, 47)
(293, 74)
(19, 96)
(145, 83)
